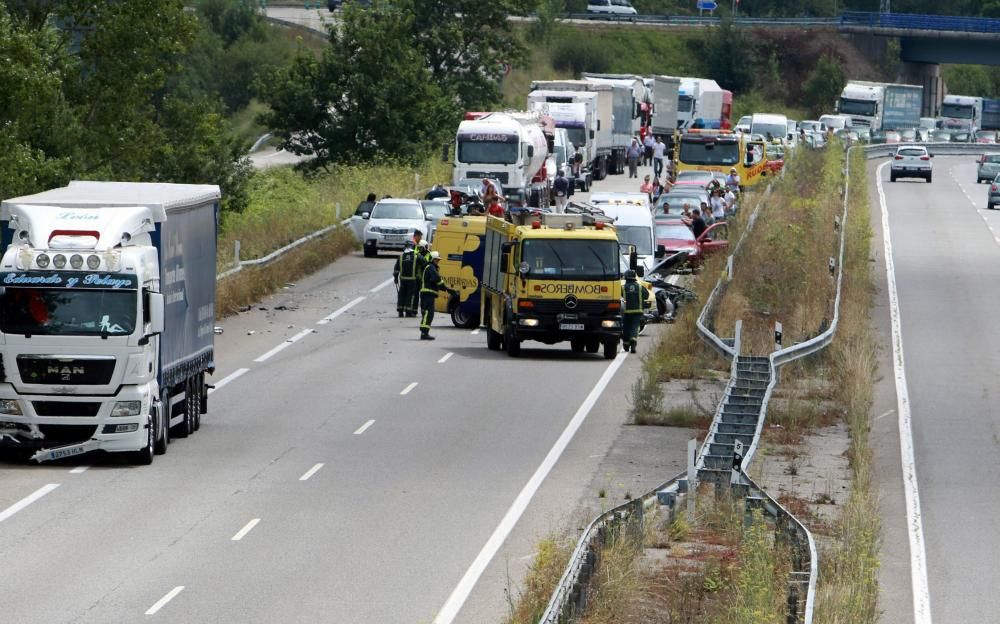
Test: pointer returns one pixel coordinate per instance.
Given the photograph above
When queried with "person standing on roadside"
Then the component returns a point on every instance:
(647, 153)
(733, 180)
(632, 154)
(646, 187)
(560, 188)
(730, 199)
(635, 293)
(404, 275)
(659, 150)
(432, 283)
(718, 206)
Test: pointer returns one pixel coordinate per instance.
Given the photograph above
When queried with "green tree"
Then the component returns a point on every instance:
(727, 57)
(370, 95)
(824, 85)
(968, 80)
(465, 44)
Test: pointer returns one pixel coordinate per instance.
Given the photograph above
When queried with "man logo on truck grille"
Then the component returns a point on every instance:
(570, 302)
(65, 372)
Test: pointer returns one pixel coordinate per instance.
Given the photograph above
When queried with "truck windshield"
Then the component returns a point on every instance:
(571, 259)
(577, 136)
(699, 153)
(487, 152)
(67, 311)
(857, 107)
(684, 103)
(956, 111)
(638, 235)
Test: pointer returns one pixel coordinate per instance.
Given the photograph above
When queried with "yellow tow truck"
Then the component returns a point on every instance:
(552, 278)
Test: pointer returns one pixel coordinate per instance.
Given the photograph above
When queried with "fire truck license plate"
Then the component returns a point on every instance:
(574, 326)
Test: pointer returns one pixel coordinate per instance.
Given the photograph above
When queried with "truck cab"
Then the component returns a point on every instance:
(107, 311)
(863, 104)
(555, 278)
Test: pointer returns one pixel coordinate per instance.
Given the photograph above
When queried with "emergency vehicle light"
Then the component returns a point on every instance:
(599, 225)
(536, 225)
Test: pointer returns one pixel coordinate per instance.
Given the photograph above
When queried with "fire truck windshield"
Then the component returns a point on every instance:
(708, 153)
(571, 259)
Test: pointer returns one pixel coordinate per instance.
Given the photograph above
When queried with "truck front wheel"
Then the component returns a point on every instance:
(610, 348)
(512, 344)
(144, 456)
(161, 424)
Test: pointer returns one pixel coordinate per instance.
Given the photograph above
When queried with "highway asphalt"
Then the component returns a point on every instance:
(946, 257)
(346, 472)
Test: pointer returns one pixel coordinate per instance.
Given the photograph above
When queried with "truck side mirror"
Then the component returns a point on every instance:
(661, 251)
(531, 151)
(444, 152)
(505, 250)
(155, 301)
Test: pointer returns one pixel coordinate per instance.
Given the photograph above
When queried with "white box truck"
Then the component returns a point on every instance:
(609, 146)
(107, 312)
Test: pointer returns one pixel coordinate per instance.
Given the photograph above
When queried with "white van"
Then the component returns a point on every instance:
(633, 221)
(611, 7)
(767, 125)
(836, 122)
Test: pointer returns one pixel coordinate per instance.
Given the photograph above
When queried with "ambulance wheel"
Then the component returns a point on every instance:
(494, 341)
(161, 428)
(593, 345)
(459, 318)
(144, 456)
(512, 344)
(577, 345)
(610, 348)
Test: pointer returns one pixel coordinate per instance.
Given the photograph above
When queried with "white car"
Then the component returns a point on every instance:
(911, 161)
(435, 209)
(611, 7)
(392, 223)
(743, 125)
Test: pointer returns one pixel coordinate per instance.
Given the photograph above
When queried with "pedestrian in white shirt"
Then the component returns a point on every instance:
(718, 206)
(730, 199)
(659, 149)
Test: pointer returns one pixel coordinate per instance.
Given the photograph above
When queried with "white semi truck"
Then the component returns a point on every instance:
(573, 113)
(614, 121)
(509, 148)
(961, 112)
(863, 103)
(107, 311)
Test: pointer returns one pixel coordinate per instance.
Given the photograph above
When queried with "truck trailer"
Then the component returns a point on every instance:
(613, 121)
(665, 99)
(574, 114)
(107, 292)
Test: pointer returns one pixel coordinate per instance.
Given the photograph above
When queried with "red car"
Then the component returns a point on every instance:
(674, 236)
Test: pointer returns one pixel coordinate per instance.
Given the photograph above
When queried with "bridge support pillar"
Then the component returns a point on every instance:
(927, 75)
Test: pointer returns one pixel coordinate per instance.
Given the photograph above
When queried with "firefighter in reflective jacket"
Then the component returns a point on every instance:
(422, 254)
(429, 288)
(635, 294)
(404, 274)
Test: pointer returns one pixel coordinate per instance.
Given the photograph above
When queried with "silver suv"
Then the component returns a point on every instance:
(911, 161)
(989, 167)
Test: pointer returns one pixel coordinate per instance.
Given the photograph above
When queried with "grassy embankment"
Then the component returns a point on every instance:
(717, 571)
(285, 205)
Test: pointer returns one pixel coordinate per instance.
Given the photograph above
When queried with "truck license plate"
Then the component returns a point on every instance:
(571, 326)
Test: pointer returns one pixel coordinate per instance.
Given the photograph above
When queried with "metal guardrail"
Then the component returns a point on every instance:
(690, 20)
(911, 21)
(238, 265)
(938, 149)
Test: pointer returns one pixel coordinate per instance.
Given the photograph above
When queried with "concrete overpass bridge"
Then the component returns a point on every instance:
(928, 40)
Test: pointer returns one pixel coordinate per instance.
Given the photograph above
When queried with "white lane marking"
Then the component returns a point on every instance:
(297, 337)
(381, 286)
(79, 470)
(918, 553)
(163, 601)
(27, 500)
(461, 592)
(364, 427)
(311, 472)
(233, 376)
(475, 331)
(407, 389)
(339, 311)
(246, 529)
(445, 357)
